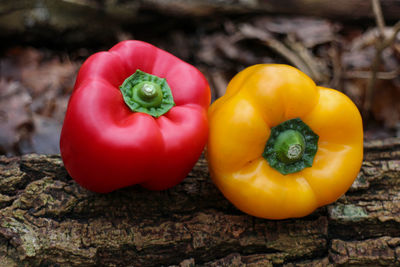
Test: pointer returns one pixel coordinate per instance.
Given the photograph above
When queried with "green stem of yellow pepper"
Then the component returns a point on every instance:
(291, 146)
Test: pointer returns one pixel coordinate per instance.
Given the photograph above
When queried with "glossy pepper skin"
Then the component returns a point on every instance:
(264, 96)
(106, 146)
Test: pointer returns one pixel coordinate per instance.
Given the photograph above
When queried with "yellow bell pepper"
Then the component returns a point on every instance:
(280, 146)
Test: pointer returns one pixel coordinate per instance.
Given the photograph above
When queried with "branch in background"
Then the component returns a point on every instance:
(382, 43)
(376, 7)
(295, 55)
(308, 58)
(337, 71)
(386, 75)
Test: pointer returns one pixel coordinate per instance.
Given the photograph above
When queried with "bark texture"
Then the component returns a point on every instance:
(339, 9)
(66, 22)
(47, 219)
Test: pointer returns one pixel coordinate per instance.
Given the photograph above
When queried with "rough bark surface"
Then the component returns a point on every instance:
(339, 9)
(74, 22)
(47, 219)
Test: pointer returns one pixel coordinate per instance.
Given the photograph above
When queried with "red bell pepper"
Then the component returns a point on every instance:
(124, 127)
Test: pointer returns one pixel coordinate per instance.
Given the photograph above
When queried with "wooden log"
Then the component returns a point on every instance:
(90, 22)
(339, 9)
(47, 219)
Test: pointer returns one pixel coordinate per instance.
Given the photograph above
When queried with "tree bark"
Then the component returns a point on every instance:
(339, 9)
(77, 22)
(47, 219)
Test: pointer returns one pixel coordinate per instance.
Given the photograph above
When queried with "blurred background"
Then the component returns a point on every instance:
(350, 45)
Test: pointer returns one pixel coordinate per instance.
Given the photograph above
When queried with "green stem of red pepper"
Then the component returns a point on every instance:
(147, 94)
(143, 92)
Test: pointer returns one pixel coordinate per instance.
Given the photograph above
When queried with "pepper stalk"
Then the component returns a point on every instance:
(291, 146)
(143, 92)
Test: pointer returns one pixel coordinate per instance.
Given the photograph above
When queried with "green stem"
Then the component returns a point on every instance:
(147, 94)
(143, 92)
(291, 147)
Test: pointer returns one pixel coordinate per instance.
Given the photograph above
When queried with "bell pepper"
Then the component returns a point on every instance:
(280, 146)
(137, 115)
